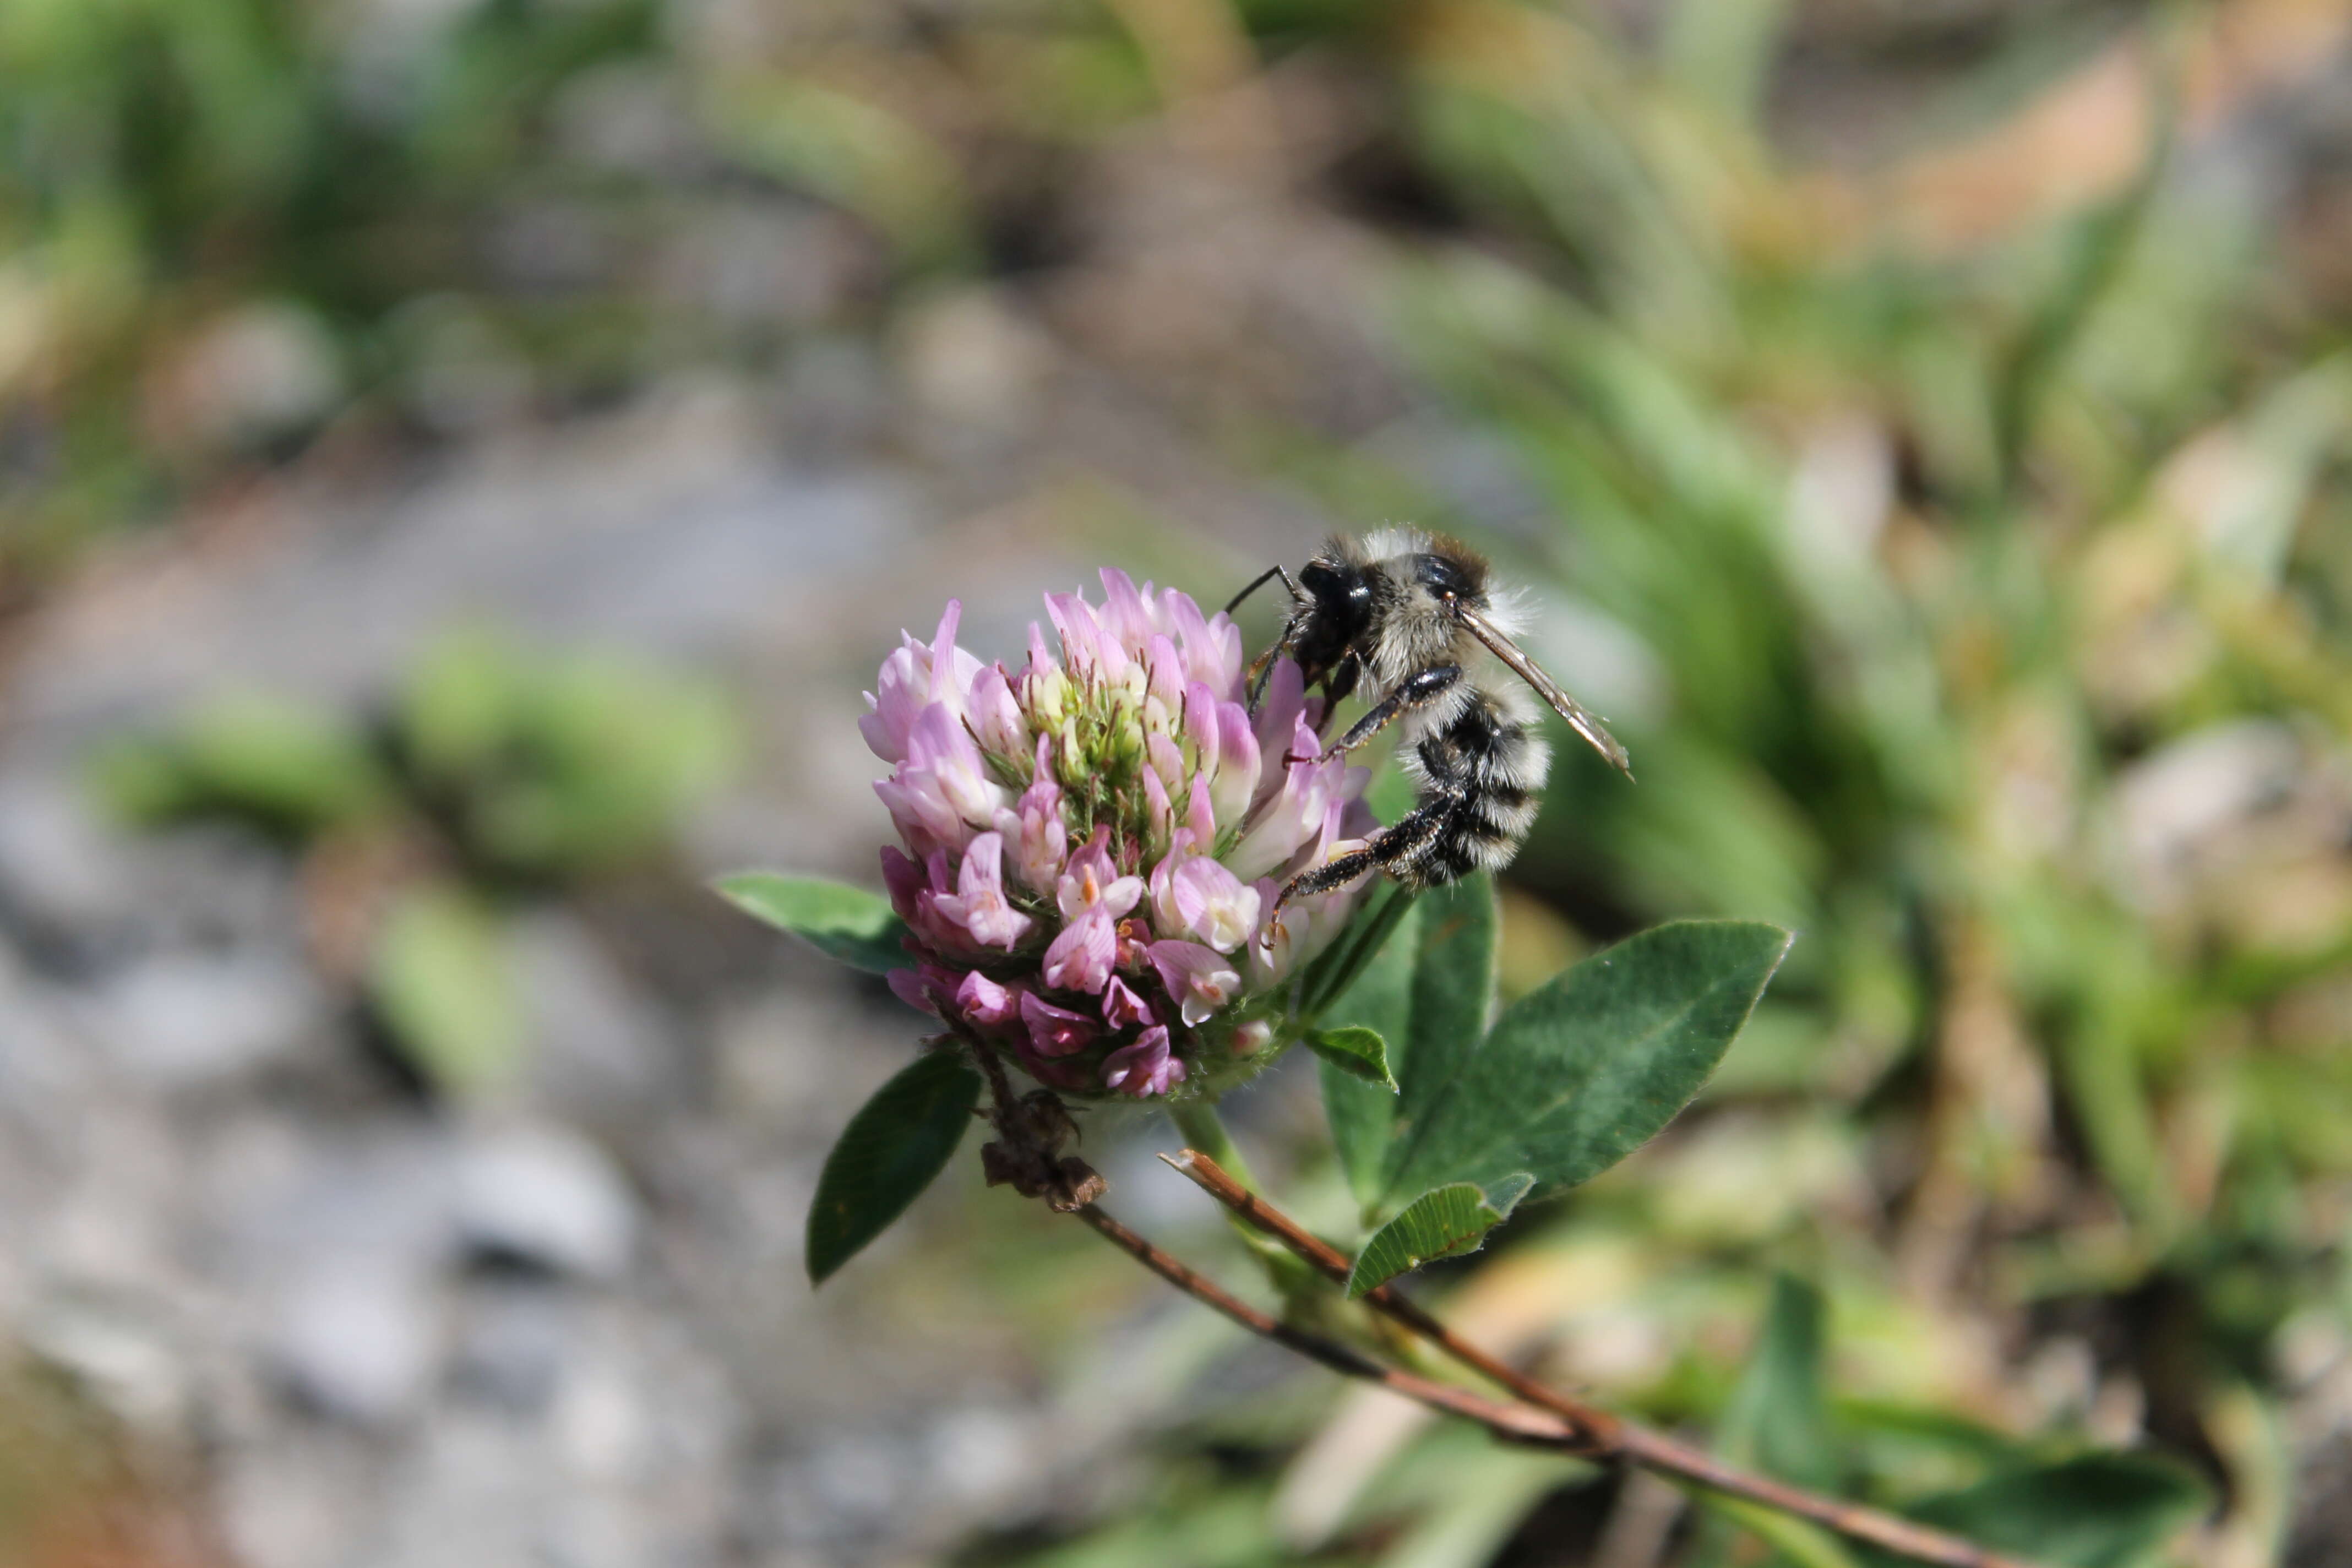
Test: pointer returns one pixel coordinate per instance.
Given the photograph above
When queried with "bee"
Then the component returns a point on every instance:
(1410, 619)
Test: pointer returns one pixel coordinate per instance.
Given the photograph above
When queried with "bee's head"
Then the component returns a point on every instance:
(1330, 586)
(1336, 601)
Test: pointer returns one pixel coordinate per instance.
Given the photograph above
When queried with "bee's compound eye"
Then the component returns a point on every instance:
(1442, 577)
(1318, 578)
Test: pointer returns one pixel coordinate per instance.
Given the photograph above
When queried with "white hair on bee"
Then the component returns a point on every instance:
(1510, 610)
(1388, 543)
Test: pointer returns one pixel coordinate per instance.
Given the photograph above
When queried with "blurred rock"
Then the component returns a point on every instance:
(59, 866)
(262, 372)
(2188, 789)
(599, 1052)
(358, 1340)
(773, 265)
(180, 1019)
(973, 362)
(125, 1354)
(548, 1198)
(671, 529)
(289, 1503)
(461, 373)
(516, 1341)
(378, 1196)
(983, 1457)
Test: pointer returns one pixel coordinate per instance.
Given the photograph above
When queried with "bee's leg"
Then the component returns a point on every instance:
(1393, 845)
(1343, 680)
(1422, 685)
(1258, 670)
(1263, 663)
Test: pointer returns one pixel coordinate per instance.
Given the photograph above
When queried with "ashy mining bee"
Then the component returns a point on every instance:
(1409, 620)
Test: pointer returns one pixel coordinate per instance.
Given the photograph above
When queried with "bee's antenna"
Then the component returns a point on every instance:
(1277, 570)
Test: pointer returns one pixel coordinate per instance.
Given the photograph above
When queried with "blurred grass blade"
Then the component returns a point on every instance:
(440, 980)
(1777, 1420)
(2100, 1511)
(1794, 1541)
(1721, 52)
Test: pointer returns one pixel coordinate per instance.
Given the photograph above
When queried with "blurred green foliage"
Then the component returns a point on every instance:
(294, 173)
(496, 770)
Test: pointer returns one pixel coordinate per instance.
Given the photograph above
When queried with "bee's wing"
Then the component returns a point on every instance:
(1527, 669)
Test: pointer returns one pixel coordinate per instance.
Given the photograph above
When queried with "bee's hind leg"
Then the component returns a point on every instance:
(1392, 849)
(1418, 690)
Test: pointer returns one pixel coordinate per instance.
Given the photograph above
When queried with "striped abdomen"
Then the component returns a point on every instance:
(1482, 775)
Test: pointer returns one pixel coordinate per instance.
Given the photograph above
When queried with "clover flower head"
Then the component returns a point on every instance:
(1091, 845)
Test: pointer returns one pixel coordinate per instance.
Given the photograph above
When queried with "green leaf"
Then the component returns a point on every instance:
(1429, 995)
(1453, 981)
(438, 978)
(1778, 1419)
(839, 921)
(1357, 1051)
(1381, 1000)
(1582, 1071)
(2097, 1510)
(1333, 973)
(889, 1152)
(1445, 1223)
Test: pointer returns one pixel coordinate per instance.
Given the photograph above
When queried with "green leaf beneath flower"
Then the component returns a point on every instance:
(848, 923)
(1445, 1223)
(892, 1149)
(1360, 1116)
(1582, 1071)
(1357, 1051)
(1346, 962)
(1453, 980)
(1429, 993)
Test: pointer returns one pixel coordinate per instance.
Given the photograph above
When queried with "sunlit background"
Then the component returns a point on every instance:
(460, 461)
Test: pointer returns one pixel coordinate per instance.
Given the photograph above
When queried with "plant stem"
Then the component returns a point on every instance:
(1585, 1429)
(1512, 1421)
